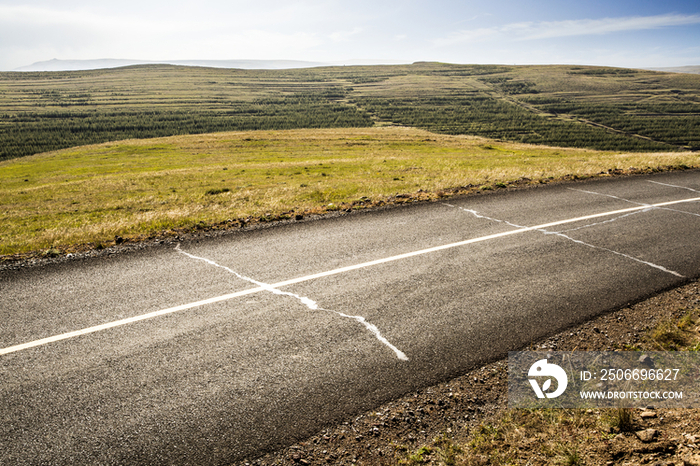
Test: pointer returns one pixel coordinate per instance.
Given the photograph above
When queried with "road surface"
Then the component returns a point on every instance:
(212, 351)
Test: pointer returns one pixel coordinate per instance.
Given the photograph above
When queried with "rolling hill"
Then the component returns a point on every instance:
(567, 106)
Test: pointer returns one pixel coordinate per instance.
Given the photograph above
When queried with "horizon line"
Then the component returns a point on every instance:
(109, 63)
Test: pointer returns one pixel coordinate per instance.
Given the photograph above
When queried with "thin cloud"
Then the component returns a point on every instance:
(568, 28)
(608, 25)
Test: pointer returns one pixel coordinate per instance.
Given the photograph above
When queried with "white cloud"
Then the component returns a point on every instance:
(319, 30)
(608, 25)
(580, 27)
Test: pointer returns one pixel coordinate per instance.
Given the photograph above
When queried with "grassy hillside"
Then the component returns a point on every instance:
(135, 188)
(310, 140)
(567, 106)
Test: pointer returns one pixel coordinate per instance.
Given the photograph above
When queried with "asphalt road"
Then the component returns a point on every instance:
(267, 336)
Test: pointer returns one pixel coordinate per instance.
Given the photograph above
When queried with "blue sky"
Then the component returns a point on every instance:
(636, 33)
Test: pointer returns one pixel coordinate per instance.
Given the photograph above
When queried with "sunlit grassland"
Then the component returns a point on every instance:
(565, 106)
(133, 188)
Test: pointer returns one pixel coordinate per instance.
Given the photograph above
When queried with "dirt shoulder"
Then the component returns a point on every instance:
(465, 420)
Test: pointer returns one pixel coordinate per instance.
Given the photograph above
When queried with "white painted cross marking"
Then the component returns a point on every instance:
(105, 326)
(308, 302)
(557, 233)
(646, 208)
(641, 203)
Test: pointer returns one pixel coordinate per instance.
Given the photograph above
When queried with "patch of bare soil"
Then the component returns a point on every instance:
(466, 421)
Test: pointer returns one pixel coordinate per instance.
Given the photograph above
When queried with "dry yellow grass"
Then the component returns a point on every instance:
(91, 194)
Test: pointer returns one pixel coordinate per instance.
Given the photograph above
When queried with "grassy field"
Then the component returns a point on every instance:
(180, 147)
(566, 106)
(138, 188)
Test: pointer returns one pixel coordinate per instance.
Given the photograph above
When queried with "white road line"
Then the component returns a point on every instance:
(129, 320)
(641, 203)
(636, 259)
(562, 235)
(674, 186)
(308, 302)
(607, 221)
(109, 325)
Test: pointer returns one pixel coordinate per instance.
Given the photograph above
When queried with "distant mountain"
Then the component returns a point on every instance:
(679, 69)
(70, 65)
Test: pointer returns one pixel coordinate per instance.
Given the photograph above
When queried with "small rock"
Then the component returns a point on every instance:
(646, 360)
(647, 435)
(648, 414)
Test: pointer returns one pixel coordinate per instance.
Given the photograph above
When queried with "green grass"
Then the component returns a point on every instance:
(566, 106)
(600, 108)
(137, 188)
(671, 336)
(621, 419)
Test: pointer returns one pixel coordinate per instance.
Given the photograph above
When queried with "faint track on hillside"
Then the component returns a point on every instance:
(568, 117)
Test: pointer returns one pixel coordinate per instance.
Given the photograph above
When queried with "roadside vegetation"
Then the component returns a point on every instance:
(92, 196)
(584, 436)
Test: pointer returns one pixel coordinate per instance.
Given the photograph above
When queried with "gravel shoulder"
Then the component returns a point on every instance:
(466, 420)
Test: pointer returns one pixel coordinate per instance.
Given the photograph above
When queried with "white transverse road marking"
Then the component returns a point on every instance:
(674, 186)
(105, 326)
(311, 304)
(641, 203)
(561, 234)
